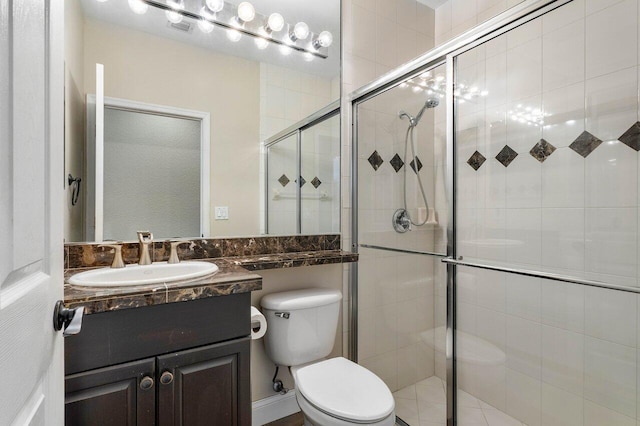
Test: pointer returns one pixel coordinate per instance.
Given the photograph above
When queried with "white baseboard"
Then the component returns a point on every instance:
(273, 408)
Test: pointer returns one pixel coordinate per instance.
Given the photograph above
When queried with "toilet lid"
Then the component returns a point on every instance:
(345, 390)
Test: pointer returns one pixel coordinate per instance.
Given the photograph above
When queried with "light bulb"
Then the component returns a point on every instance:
(300, 31)
(173, 16)
(138, 6)
(285, 50)
(275, 22)
(325, 38)
(205, 26)
(246, 11)
(101, 1)
(308, 56)
(261, 43)
(215, 5)
(234, 35)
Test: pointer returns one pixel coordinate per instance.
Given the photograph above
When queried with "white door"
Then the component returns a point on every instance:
(31, 197)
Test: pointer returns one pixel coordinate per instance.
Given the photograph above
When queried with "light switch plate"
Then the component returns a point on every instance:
(222, 213)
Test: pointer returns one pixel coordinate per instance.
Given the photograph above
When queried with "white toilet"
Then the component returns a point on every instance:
(301, 331)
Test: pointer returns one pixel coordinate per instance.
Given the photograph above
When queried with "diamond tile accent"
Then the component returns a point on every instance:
(316, 182)
(413, 164)
(585, 144)
(506, 155)
(476, 160)
(396, 163)
(631, 137)
(302, 181)
(542, 150)
(375, 160)
(284, 180)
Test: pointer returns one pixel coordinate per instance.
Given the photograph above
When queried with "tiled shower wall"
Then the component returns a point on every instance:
(548, 180)
(457, 16)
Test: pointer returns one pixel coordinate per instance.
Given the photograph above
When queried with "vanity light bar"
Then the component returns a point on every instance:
(258, 27)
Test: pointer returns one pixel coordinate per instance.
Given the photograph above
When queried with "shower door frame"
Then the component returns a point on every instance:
(444, 54)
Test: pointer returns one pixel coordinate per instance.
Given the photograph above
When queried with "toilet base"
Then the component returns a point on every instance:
(315, 417)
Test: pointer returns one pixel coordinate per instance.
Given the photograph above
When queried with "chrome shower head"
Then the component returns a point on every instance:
(432, 102)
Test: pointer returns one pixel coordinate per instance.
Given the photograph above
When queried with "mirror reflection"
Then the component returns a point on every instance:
(168, 106)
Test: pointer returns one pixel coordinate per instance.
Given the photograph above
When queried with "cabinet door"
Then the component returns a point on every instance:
(205, 386)
(119, 395)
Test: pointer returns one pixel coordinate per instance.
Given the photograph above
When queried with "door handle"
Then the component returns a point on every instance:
(68, 320)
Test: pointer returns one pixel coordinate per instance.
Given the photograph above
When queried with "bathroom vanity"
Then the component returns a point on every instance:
(174, 353)
(170, 355)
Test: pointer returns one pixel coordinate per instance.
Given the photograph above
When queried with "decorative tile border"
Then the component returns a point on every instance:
(584, 145)
(396, 162)
(92, 255)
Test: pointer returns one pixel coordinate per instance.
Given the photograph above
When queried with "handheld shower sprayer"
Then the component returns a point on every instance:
(401, 218)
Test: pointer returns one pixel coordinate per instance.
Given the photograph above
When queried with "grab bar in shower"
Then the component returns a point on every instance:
(539, 274)
(397, 250)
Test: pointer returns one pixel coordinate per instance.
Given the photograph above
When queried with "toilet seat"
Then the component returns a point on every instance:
(344, 390)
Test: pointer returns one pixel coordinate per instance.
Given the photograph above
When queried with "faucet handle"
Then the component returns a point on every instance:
(173, 256)
(145, 237)
(117, 257)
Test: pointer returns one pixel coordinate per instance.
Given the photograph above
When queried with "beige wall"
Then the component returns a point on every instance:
(146, 68)
(74, 114)
(276, 280)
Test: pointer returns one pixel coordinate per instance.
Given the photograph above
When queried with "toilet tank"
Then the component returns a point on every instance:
(301, 324)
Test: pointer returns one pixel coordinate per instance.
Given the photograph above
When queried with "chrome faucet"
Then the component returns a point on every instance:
(145, 238)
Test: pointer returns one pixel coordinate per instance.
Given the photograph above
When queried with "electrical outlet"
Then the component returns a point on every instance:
(222, 213)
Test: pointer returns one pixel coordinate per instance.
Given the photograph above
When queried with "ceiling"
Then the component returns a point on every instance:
(320, 15)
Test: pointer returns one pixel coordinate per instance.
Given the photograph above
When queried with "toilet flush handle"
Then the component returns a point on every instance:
(284, 315)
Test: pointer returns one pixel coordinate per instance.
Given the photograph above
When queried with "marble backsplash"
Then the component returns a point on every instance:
(85, 255)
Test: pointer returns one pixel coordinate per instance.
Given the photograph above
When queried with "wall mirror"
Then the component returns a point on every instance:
(171, 107)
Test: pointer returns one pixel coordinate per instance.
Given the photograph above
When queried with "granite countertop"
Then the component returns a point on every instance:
(234, 276)
(229, 279)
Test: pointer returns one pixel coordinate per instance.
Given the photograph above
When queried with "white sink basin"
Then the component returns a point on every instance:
(132, 275)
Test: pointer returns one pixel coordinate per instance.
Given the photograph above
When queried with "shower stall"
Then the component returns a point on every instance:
(509, 292)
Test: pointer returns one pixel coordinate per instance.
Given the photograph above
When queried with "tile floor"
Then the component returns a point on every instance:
(424, 404)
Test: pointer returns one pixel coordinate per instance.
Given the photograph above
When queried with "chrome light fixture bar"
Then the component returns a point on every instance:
(243, 19)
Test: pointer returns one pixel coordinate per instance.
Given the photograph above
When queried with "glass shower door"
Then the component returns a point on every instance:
(547, 221)
(401, 280)
(282, 193)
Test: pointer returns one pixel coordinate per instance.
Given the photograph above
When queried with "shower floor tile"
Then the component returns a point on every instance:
(424, 404)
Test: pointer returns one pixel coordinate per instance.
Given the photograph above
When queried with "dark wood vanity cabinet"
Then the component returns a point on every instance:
(202, 384)
(190, 383)
(116, 395)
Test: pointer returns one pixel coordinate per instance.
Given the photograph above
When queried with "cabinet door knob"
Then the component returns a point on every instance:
(146, 383)
(166, 378)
